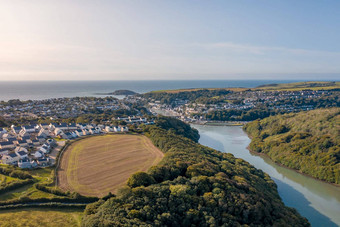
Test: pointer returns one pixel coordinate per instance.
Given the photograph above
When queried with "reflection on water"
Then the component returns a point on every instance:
(319, 202)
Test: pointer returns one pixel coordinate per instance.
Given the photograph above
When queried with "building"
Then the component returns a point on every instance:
(10, 158)
(25, 163)
(7, 145)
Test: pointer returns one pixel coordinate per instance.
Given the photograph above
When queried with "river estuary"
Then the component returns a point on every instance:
(319, 202)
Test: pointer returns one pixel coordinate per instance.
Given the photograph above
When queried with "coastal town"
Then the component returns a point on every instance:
(200, 109)
(40, 128)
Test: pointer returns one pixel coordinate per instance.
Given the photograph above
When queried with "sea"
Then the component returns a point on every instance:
(38, 90)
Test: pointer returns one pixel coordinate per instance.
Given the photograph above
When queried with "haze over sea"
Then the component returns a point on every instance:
(37, 90)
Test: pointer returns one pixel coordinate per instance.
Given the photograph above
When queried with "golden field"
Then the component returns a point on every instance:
(98, 165)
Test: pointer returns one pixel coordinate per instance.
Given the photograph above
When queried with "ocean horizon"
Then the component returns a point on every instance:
(38, 90)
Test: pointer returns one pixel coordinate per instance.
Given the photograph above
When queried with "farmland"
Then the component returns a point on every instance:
(41, 217)
(98, 165)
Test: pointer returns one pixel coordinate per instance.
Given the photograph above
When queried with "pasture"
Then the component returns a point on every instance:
(41, 217)
(98, 165)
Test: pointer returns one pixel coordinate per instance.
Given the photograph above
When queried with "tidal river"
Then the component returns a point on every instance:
(319, 202)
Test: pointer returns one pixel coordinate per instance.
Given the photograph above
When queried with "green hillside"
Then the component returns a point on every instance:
(305, 141)
(311, 85)
(194, 186)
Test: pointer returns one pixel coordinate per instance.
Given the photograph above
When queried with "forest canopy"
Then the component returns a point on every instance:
(306, 141)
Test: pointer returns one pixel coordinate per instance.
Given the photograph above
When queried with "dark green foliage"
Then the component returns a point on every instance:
(93, 207)
(306, 141)
(74, 198)
(195, 186)
(241, 115)
(140, 179)
(15, 173)
(15, 184)
(178, 127)
(52, 190)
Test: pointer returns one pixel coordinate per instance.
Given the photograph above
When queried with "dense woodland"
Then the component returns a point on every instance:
(177, 127)
(193, 186)
(259, 112)
(306, 141)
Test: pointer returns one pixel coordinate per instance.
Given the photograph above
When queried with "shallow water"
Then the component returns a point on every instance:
(319, 202)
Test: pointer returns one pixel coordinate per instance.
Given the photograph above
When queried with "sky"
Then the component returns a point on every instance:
(164, 40)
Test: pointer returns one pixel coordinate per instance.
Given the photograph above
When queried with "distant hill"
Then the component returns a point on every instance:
(119, 92)
(311, 85)
(307, 141)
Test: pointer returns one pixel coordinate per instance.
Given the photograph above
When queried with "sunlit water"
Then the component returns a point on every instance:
(25, 90)
(319, 202)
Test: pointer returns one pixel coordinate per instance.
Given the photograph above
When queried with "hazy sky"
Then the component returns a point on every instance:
(156, 39)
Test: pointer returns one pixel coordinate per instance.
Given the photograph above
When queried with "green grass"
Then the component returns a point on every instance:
(7, 178)
(43, 175)
(16, 193)
(41, 217)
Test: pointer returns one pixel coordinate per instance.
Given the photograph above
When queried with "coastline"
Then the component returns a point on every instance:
(281, 165)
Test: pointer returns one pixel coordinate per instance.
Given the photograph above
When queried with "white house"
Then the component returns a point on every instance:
(58, 131)
(25, 163)
(79, 132)
(45, 148)
(10, 158)
(37, 154)
(95, 130)
(86, 132)
(124, 128)
(53, 126)
(108, 129)
(22, 153)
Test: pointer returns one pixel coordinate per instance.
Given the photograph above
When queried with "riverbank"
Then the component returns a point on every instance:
(306, 142)
(317, 201)
(295, 170)
(219, 123)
